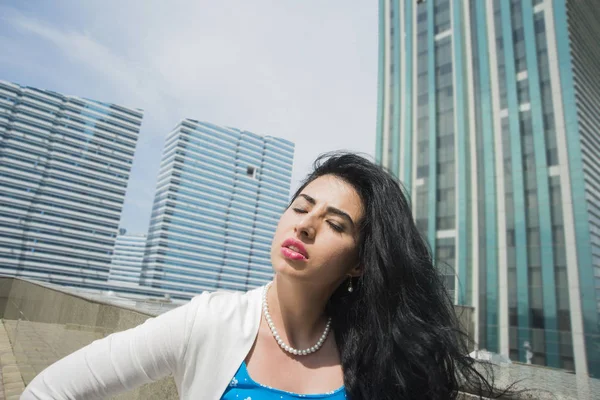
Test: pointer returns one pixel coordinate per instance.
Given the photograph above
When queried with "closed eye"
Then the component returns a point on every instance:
(335, 227)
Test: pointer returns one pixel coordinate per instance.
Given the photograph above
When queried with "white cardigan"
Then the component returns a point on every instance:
(202, 344)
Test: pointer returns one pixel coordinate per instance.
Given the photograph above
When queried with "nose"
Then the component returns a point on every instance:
(305, 228)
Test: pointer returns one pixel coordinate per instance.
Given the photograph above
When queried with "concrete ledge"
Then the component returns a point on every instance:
(44, 324)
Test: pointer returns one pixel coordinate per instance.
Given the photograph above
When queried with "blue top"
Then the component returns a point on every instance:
(243, 387)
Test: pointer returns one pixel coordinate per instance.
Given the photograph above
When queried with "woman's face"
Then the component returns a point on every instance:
(317, 237)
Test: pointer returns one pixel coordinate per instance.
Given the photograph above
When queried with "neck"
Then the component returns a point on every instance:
(298, 311)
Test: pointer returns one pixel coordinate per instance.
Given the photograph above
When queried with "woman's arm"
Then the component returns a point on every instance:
(121, 361)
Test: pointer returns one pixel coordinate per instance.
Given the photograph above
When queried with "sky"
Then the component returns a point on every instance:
(303, 70)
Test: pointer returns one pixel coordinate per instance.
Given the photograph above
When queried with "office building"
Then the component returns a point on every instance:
(64, 167)
(488, 112)
(126, 265)
(219, 194)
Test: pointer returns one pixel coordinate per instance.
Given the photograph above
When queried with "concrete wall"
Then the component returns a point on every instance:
(44, 325)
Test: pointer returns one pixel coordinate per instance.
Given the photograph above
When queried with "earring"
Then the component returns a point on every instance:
(350, 288)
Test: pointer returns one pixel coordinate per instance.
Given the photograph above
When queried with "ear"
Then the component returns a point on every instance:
(356, 271)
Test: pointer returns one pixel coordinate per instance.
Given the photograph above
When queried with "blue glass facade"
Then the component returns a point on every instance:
(126, 265)
(496, 138)
(218, 199)
(64, 167)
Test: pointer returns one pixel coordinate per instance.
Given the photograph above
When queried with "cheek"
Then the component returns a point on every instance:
(341, 255)
(283, 221)
(280, 231)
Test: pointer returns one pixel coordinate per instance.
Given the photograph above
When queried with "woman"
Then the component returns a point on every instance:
(356, 309)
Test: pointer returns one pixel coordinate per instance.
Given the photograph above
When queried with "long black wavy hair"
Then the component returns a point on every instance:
(397, 332)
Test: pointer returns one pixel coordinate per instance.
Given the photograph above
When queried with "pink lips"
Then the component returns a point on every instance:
(294, 250)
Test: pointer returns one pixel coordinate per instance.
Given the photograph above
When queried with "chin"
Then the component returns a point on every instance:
(285, 268)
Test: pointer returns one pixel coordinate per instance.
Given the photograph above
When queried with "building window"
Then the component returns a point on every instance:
(537, 318)
(523, 91)
(251, 171)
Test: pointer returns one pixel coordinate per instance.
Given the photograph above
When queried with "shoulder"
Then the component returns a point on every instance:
(225, 308)
(222, 328)
(218, 321)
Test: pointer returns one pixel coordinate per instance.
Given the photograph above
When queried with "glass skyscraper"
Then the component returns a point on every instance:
(126, 265)
(219, 196)
(488, 112)
(64, 167)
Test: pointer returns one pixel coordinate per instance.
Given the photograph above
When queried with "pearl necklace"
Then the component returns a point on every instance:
(284, 346)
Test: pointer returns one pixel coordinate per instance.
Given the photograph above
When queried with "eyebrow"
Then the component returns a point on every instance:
(331, 210)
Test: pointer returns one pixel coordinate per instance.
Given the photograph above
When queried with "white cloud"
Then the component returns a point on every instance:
(86, 52)
(305, 71)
